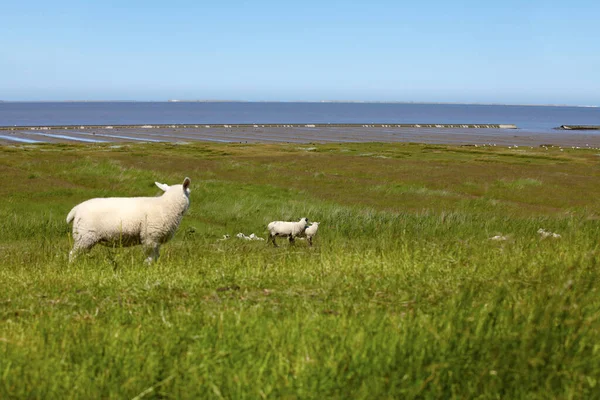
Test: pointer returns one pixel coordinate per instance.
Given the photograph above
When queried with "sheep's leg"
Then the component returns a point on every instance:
(75, 251)
(152, 253)
(291, 239)
(81, 244)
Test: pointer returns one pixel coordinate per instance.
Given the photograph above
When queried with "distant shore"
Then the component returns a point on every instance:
(305, 101)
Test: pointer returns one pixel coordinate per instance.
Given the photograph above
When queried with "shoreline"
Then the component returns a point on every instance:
(304, 134)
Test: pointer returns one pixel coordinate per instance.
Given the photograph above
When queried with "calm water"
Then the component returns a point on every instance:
(541, 118)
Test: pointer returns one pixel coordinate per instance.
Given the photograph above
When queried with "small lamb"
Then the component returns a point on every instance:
(285, 228)
(129, 221)
(311, 232)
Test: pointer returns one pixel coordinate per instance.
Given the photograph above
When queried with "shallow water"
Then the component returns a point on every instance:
(536, 118)
(19, 139)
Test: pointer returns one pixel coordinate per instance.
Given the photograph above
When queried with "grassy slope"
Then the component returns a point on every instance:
(403, 294)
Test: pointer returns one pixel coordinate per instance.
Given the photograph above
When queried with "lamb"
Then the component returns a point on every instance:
(285, 228)
(311, 232)
(129, 221)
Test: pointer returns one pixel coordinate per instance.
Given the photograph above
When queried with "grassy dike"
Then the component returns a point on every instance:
(403, 295)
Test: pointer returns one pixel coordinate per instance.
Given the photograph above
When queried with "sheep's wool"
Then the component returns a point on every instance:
(128, 221)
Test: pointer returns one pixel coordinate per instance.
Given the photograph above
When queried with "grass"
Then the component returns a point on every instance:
(403, 295)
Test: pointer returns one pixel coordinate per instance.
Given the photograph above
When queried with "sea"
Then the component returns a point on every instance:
(525, 117)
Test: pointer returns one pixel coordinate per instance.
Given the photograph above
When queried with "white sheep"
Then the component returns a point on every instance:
(285, 228)
(311, 232)
(128, 221)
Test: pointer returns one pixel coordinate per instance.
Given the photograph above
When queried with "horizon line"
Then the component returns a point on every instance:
(307, 101)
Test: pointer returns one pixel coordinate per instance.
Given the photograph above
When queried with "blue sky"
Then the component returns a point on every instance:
(517, 52)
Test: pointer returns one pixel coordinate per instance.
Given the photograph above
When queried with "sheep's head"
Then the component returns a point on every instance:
(162, 186)
(175, 188)
(305, 221)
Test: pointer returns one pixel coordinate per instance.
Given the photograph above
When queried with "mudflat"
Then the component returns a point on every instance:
(298, 134)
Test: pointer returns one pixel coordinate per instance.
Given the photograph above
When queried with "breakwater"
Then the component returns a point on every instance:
(580, 127)
(292, 125)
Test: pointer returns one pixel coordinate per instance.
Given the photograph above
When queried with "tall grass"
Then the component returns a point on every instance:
(403, 294)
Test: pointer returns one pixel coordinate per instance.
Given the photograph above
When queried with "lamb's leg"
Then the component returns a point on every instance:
(309, 240)
(272, 238)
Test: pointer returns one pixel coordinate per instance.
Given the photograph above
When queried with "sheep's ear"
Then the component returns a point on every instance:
(162, 186)
(186, 182)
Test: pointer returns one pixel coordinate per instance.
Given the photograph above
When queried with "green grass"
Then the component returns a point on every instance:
(404, 295)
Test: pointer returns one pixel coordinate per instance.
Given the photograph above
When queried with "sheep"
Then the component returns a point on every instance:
(310, 232)
(285, 228)
(129, 221)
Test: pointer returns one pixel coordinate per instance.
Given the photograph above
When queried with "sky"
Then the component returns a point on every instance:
(511, 52)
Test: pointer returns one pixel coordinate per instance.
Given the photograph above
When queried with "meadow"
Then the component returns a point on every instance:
(403, 295)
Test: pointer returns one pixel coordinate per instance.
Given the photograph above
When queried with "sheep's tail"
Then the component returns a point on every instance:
(71, 215)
